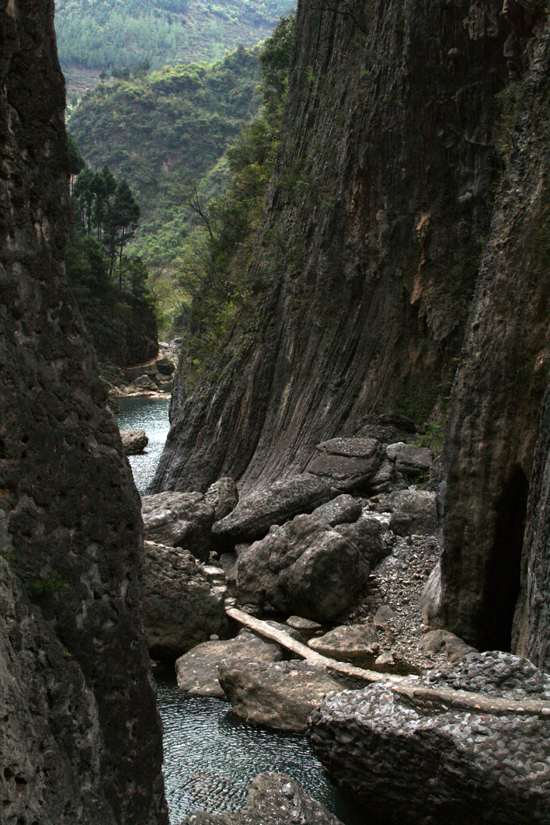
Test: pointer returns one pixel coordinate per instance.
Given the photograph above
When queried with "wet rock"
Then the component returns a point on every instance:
(427, 762)
(281, 695)
(340, 510)
(182, 606)
(304, 566)
(348, 643)
(223, 495)
(133, 441)
(179, 520)
(257, 512)
(273, 799)
(347, 463)
(197, 670)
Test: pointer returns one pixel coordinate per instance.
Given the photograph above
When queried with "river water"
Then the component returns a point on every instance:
(210, 756)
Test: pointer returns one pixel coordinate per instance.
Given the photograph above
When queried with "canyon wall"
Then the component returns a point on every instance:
(501, 380)
(80, 736)
(366, 264)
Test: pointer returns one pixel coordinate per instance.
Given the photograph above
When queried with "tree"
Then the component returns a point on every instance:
(121, 221)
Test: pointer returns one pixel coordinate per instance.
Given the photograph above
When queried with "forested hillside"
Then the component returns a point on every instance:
(163, 132)
(100, 35)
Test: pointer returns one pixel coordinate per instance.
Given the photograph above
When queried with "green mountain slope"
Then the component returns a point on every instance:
(100, 34)
(163, 131)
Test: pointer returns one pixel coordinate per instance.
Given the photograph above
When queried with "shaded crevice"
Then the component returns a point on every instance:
(502, 581)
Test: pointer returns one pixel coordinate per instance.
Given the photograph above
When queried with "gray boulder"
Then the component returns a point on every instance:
(423, 755)
(366, 535)
(179, 520)
(410, 461)
(347, 463)
(279, 695)
(257, 512)
(342, 509)
(304, 567)
(273, 799)
(413, 512)
(348, 643)
(133, 441)
(223, 495)
(197, 670)
(182, 606)
(443, 641)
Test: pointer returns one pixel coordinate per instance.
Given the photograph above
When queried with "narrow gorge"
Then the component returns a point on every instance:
(398, 289)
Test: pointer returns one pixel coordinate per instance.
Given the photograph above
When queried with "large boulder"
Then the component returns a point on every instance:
(341, 510)
(179, 520)
(281, 695)
(257, 512)
(410, 461)
(133, 441)
(413, 512)
(197, 671)
(304, 567)
(273, 799)
(347, 463)
(181, 606)
(366, 535)
(422, 753)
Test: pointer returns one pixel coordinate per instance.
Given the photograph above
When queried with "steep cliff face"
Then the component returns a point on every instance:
(367, 260)
(495, 412)
(71, 513)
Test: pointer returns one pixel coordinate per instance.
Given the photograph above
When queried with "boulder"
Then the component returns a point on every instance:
(144, 383)
(347, 463)
(421, 754)
(410, 461)
(182, 606)
(273, 799)
(353, 643)
(165, 366)
(413, 512)
(197, 670)
(133, 441)
(366, 535)
(306, 566)
(257, 512)
(223, 495)
(303, 625)
(342, 509)
(279, 695)
(443, 641)
(179, 520)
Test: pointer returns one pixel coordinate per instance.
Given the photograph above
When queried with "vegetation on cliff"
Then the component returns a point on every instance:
(121, 33)
(163, 131)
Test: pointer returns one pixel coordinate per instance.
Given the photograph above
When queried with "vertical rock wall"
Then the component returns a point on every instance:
(370, 247)
(503, 373)
(67, 499)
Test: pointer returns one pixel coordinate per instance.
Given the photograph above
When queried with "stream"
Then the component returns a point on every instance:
(211, 756)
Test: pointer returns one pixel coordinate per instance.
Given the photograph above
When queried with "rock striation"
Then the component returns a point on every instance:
(69, 509)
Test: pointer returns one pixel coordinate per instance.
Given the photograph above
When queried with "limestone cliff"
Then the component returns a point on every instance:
(495, 412)
(70, 519)
(373, 231)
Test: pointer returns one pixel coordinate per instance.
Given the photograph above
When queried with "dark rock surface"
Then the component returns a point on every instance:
(495, 410)
(413, 512)
(366, 535)
(70, 504)
(304, 567)
(532, 620)
(370, 245)
(279, 695)
(418, 759)
(181, 606)
(197, 671)
(133, 441)
(273, 799)
(347, 463)
(257, 512)
(50, 740)
(179, 520)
